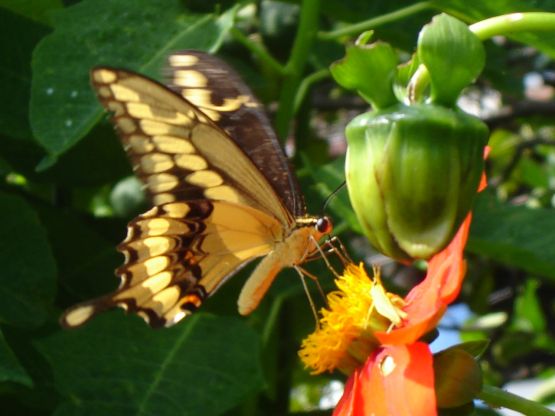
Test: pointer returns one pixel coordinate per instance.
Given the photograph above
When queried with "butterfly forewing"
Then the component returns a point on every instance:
(218, 91)
(177, 151)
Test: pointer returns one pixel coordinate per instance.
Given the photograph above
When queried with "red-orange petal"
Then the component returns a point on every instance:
(426, 303)
(447, 268)
(395, 381)
(484, 180)
(346, 405)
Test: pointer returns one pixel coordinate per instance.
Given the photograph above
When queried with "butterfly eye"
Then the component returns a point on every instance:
(324, 225)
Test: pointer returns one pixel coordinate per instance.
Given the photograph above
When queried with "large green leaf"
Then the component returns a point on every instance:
(15, 72)
(86, 259)
(97, 159)
(514, 235)
(32, 9)
(118, 365)
(10, 368)
(137, 35)
(27, 281)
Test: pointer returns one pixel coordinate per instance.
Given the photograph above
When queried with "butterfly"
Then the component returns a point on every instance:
(222, 191)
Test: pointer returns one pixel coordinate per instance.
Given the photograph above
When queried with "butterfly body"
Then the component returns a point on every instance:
(221, 187)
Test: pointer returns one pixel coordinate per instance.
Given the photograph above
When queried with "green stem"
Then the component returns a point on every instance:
(308, 25)
(512, 23)
(306, 84)
(257, 50)
(377, 21)
(496, 397)
(495, 26)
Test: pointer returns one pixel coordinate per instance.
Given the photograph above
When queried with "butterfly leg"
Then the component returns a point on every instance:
(302, 273)
(336, 246)
(315, 279)
(324, 257)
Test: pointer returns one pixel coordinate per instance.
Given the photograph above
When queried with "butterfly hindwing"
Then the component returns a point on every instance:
(179, 253)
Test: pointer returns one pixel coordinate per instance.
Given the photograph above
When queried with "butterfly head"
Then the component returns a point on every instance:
(323, 226)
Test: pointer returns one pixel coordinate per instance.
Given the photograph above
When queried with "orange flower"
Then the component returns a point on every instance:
(373, 335)
(396, 380)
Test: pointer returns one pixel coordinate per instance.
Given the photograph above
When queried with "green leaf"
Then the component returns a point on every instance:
(369, 70)
(118, 365)
(453, 55)
(137, 35)
(514, 235)
(32, 9)
(86, 259)
(27, 281)
(528, 316)
(532, 173)
(15, 72)
(96, 159)
(328, 178)
(10, 368)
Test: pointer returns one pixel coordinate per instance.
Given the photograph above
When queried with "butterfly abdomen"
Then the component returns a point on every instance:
(292, 251)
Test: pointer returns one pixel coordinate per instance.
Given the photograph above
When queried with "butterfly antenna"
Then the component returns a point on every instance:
(330, 196)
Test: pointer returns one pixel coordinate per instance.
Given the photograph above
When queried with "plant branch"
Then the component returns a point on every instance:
(496, 397)
(520, 109)
(520, 148)
(305, 85)
(514, 23)
(258, 50)
(308, 25)
(360, 27)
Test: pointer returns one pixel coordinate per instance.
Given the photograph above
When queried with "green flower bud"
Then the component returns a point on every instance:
(412, 174)
(458, 377)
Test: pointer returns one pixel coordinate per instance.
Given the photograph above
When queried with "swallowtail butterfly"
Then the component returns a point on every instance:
(222, 191)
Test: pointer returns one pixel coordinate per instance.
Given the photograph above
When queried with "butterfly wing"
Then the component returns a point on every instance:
(214, 210)
(177, 151)
(218, 91)
(177, 254)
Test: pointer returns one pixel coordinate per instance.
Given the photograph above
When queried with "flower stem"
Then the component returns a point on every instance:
(485, 29)
(257, 49)
(306, 83)
(496, 397)
(512, 23)
(308, 25)
(376, 21)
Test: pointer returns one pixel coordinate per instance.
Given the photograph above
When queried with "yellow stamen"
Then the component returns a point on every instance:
(345, 337)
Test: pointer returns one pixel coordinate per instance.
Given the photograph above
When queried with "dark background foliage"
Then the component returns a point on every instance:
(66, 196)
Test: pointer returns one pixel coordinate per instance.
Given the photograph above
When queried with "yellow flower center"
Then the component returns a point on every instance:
(345, 338)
